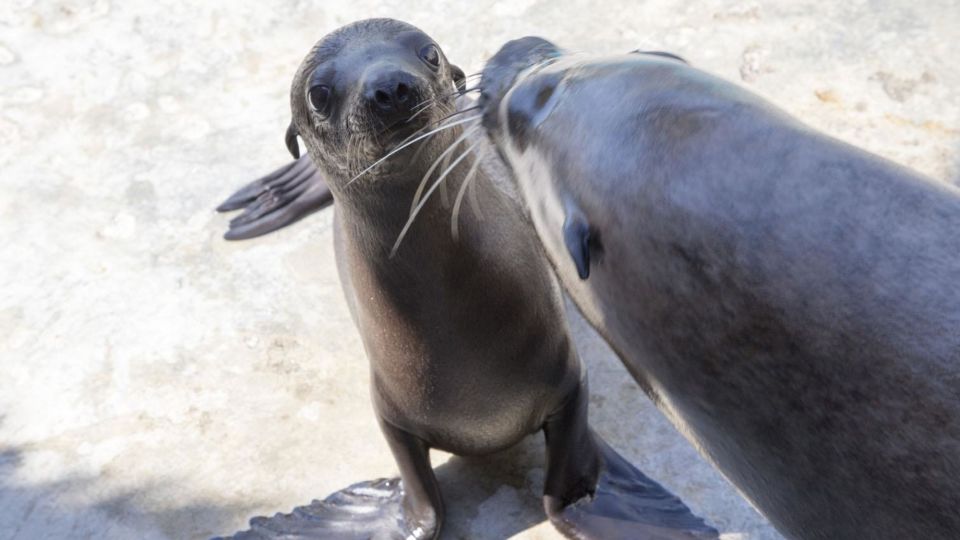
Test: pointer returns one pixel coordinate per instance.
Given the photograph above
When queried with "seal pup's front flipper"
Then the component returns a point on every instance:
(405, 508)
(592, 493)
(361, 511)
(276, 200)
(628, 505)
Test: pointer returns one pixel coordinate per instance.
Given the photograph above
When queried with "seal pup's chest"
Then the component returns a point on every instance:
(469, 351)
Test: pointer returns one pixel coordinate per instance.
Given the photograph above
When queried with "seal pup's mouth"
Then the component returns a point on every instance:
(387, 135)
(421, 135)
(395, 131)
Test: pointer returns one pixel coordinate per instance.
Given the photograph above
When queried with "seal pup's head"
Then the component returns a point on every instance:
(362, 89)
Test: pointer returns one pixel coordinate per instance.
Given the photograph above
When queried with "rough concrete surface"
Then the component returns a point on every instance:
(158, 382)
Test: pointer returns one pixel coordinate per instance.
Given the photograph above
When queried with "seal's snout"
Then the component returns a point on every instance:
(392, 94)
(501, 71)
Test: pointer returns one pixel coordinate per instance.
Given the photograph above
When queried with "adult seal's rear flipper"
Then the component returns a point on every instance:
(361, 511)
(627, 504)
(278, 199)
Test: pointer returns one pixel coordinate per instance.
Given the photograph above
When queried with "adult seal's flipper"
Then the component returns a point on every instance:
(282, 197)
(576, 236)
(583, 243)
(628, 505)
(361, 511)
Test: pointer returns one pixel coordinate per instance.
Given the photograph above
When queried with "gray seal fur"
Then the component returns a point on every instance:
(791, 302)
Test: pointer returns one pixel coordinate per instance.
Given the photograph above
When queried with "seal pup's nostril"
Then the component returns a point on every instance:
(402, 92)
(382, 98)
(392, 93)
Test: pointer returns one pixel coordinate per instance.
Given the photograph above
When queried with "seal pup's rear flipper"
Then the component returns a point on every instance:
(361, 511)
(280, 198)
(627, 504)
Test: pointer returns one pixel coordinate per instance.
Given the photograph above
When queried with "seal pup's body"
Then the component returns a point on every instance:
(791, 302)
(466, 337)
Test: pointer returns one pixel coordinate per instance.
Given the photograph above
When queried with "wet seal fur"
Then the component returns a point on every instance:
(791, 302)
(467, 339)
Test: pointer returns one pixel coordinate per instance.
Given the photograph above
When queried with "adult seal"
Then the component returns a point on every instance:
(466, 336)
(789, 301)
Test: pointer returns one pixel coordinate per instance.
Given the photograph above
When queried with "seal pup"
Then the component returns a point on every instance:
(466, 337)
(791, 302)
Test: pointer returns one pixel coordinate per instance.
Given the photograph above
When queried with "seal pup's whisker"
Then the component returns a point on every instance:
(460, 93)
(461, 111)
(423, 105)
(444, 196)
(483, 155)
(401, 147)
(423, 182)
(455, 215)
(420, 147)
(426, 197)
(435, 122)
(427, 102)
(418, 112)
(446, 112)
(472, 193)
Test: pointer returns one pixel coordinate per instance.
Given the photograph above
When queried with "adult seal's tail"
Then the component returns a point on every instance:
(792, 303)
(466, 336)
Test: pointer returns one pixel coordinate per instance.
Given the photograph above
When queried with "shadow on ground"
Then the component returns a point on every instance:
(39, 510)
(490, 497)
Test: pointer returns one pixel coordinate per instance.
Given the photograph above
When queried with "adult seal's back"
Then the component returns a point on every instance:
(791, 302)
(466, 336)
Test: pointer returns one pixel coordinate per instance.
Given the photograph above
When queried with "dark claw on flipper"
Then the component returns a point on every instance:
(629, 505)
(359, 512)
(269, 201)
(284, 196)
(249, 192)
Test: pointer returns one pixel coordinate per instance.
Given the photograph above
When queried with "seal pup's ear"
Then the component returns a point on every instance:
(291, 140)
(459, 79)
(671, 56)
(576, 236)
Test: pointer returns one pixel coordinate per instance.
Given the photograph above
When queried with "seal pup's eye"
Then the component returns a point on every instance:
(319, 98)
(431, 55)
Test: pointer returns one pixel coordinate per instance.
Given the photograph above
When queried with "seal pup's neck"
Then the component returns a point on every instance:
(373, 216)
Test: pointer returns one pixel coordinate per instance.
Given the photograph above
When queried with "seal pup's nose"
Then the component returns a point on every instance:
(391, 93)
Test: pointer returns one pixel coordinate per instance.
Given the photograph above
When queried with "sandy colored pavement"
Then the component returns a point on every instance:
(157, 382)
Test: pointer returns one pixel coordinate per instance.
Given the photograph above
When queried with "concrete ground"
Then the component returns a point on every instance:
(158, 382)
